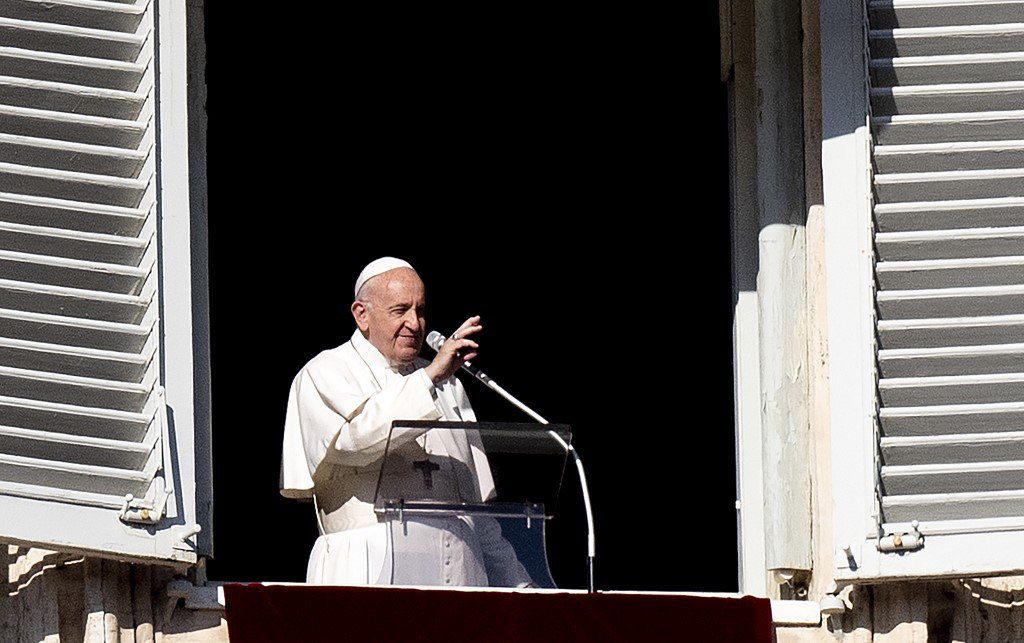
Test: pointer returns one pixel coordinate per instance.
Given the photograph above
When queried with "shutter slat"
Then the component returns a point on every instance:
(937, 99)
(968, 477)
(949, 273)
(75, 158)
(66, 418)
(54, 494)
(943, 157)
(943, 186)
(84, 245)
(101, 452)
(997, 125)
(949, 215)
(74, 331)
(74, 360)
(62, 97)
(950, 302)
(963, 507)
(952, 418)
(73, 70)
(950, 244)
(73, 302)
(962, 389)
(957, 447)
(80, 391)
(87, 478)
(961, 68)
(69, 39)
(73, 215)
(951, 360)
(950, 331)
(938, 13)
(946, 39)
(88, 14)
(95, 188)
(77, 128)
(89, 277)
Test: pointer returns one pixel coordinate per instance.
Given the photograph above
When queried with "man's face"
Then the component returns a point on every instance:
(394, 319)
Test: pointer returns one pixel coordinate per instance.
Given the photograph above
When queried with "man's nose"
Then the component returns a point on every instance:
(413, 321)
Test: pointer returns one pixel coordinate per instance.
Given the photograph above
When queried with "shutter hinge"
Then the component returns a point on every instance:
(148, 510)
(900, 541)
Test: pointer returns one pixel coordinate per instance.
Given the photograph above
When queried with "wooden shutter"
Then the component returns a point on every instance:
(947, 123)
(84, 449)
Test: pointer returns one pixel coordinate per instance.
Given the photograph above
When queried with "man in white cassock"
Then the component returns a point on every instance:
(340, 408)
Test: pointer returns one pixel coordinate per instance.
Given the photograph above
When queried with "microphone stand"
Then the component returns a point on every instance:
(480, 375)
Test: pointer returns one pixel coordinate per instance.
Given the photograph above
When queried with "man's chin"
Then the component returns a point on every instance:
(407, 355)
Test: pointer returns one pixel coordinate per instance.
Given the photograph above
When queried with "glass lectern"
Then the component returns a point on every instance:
(441, 530)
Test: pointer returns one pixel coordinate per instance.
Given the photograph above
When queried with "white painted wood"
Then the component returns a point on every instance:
(968, 359)
(52, 212)
(951, 418)
(954, 126)
(954, 68)
(50, 36)
(967, 213)
(88, 499)
(781, 286)
(950, 244)
(74, 157)
(750, 474)
(951, 302)
(82, 128)
(948, 97)
(960, 389)
(82, 414)
(928, 13)
(52, 97)
(955, 447)
(126, 192)
(848, 257)
(967, 184)
(746, 367)
(959, 155)
(180, 325)
(946, 39)
(127, 17)
(76, 70)
(76, 331)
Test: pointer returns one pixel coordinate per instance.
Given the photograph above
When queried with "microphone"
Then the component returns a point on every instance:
(435, 339)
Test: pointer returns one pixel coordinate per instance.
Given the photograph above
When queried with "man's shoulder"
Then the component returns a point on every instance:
(330, 358)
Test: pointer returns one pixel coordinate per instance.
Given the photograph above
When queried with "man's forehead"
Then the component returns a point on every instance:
(400, 284)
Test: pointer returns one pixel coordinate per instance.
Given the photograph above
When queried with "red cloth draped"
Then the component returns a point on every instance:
(308, 614)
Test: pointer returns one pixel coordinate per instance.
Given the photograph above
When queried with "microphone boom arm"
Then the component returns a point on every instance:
(434, 340)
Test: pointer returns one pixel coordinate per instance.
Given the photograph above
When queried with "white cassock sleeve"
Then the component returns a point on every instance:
(354, 432)
(335, 417)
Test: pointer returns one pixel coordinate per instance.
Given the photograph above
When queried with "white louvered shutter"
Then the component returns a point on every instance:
(947, 123)
(85, 455)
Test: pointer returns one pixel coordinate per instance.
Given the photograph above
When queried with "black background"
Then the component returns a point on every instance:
(563, 175)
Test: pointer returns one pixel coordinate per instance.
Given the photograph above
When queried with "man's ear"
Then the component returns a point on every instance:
(361, 314)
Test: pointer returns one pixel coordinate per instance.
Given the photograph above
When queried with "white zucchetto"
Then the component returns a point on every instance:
(379, 266)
